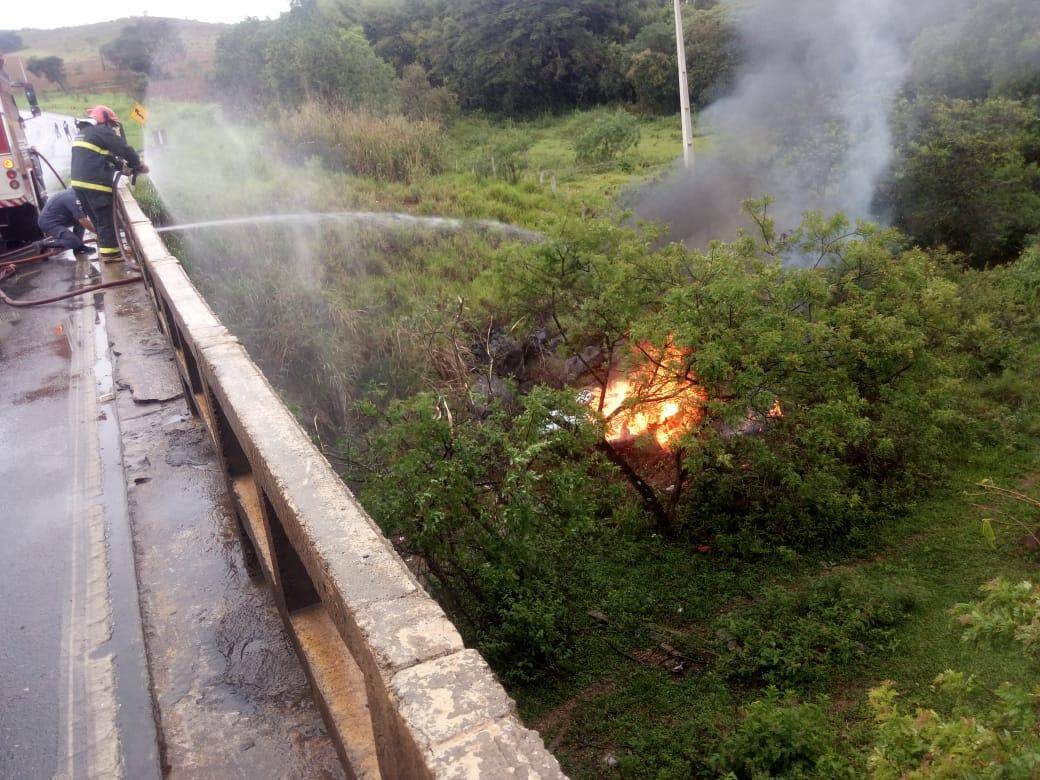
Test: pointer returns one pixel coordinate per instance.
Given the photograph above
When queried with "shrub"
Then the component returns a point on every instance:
(501, 154)
(780, 737)
(984, 734)
(1007, 612)
(652, 75)
(607, 137)
(795, 637)
(491, 507)
(389, 148)
(421, 100)
(969, 741)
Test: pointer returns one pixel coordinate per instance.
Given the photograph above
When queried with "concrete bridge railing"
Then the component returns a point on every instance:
(400, 694)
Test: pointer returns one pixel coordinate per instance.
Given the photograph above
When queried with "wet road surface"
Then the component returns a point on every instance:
(56, 147)
(74, 695)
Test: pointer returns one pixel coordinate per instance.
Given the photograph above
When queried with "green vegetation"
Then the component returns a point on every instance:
(519, 56)
(607, 138)
(989, 48)
(146, 46)
(10, 41)
(968, 133)
(51, 68)
(765, 582)
(386, 148)
(298, 57)
(970, 176)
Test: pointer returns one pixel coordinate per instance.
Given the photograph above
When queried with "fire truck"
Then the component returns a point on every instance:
(22, 191)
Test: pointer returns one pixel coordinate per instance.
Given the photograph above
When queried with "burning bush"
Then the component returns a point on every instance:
(853, 337)
(658, 398)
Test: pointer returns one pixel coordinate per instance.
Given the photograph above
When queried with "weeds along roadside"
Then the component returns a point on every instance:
(365, 315)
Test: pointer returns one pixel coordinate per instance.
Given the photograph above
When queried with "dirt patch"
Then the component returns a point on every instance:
(1029, 481)
(559, 720)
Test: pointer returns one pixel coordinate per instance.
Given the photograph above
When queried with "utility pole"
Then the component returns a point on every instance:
(684, 89)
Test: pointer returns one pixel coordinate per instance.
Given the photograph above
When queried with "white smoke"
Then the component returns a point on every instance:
(808, 120)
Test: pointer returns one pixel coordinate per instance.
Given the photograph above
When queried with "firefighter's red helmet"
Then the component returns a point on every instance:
(103, 115)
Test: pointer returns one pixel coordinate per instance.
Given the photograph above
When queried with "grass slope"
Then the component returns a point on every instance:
(82, 43)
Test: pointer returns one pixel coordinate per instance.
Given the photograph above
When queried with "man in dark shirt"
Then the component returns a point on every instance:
(63, 219)
(98, 151)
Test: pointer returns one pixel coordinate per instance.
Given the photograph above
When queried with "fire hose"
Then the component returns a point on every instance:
(21, 303)
(57, 175)
(10, 267)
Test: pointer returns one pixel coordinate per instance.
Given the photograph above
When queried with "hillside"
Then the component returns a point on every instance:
(80, 47)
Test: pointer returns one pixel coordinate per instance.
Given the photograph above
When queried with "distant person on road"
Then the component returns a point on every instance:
(68, 133)
(57, 131)
(98, 151)
(63, 219)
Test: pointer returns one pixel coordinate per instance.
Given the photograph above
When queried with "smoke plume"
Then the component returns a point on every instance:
(807, 121)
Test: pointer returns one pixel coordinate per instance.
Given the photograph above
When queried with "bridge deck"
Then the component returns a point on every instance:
(117, 535)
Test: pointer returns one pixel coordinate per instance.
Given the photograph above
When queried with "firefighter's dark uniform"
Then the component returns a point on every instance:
(60, 219)
(96, 154)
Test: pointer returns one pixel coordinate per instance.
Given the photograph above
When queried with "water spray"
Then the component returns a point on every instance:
(382, 219)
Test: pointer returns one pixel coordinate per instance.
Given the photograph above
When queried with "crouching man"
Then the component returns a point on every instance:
(63, 219)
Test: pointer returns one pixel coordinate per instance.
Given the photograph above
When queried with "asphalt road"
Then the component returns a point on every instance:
(74, 694)
(74, 697)
(52, 144)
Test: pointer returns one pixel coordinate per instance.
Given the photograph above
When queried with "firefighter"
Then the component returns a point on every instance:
(63, 219)
(98, 151)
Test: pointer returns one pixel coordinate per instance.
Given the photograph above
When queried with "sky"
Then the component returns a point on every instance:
(66, 13)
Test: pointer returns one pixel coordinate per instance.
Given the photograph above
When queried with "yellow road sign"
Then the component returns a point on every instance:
(139, 114)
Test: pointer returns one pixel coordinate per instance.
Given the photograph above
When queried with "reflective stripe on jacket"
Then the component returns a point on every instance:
(95, 155)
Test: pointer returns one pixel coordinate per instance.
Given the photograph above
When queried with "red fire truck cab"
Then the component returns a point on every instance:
(22, 191)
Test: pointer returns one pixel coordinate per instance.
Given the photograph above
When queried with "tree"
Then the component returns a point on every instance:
(146, 46)
(967, 175)
(10, 42)
(528, 55)
(299, 57)
(654, 81)
(990, 48)
(712, 54)
(241, 54)
(825, 391)
(51, 68)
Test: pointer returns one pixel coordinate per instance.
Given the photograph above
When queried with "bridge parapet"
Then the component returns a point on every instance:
(400, 694)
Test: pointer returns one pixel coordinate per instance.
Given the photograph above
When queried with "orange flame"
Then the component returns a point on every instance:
(658, 398)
